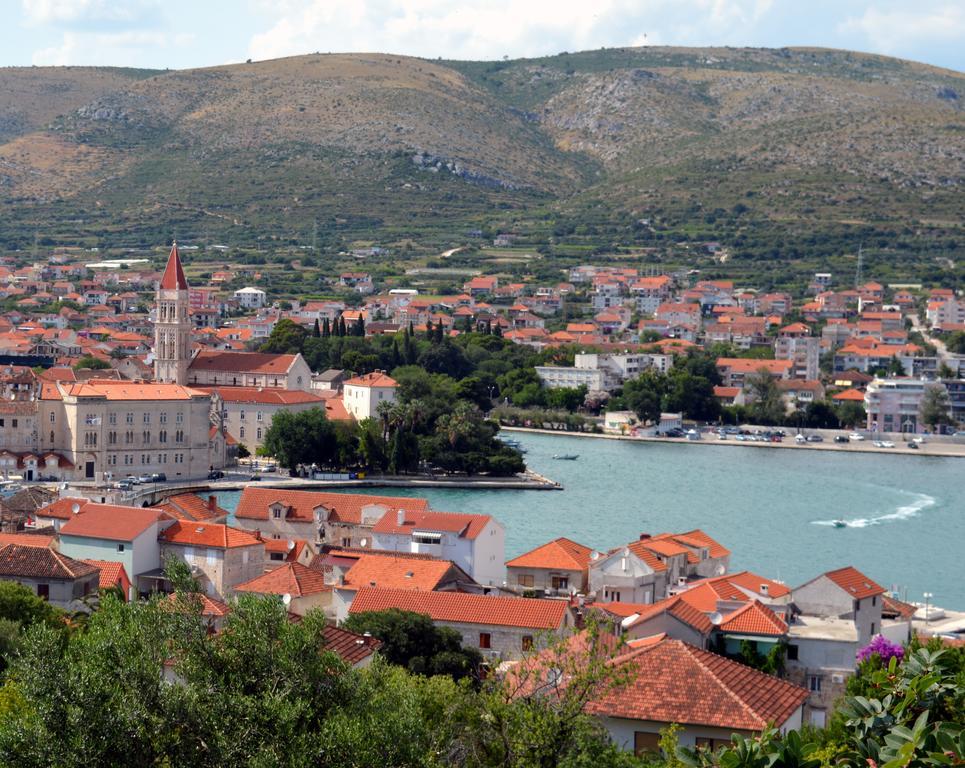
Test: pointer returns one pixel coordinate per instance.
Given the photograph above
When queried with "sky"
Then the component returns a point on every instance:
(181, 34)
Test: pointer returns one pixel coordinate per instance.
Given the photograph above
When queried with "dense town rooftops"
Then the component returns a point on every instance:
(672, 682)
(461, 608)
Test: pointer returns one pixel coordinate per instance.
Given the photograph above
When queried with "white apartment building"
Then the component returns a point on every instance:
(601, 372)
(251, 298)
(362, 395)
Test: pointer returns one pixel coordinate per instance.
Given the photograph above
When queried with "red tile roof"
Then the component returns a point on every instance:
(109, 521)
(173, 278)
(673, 682)
(190, 506)
(560, 554)
(348, 646)
(112, 574)
(753, 583)
(269, 396)
(292, 579)
(27, 539)
(209, 606)
(464, 525)
(855, 583)
(755, 618)
(681, 610)
(40, 562)
(376, 379)
(343, 507)
(194, 534)
(242, 362)
(855, 395)
(462, 608)
(396, 573)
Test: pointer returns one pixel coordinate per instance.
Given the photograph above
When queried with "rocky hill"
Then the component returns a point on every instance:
(390, 147)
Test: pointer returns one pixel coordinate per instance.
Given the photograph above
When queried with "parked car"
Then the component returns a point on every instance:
(841, 438)
(132, 479)
(254, 478)
(159, 477)
(215, 474)
(856, 437)
(799, 438)
(815, 439)
(145, 479)
(126, 485)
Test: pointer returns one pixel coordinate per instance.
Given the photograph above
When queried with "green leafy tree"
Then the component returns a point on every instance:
(412, 641)
(852, 414)
(767, 404)
(287, 338)
(303, 438)
(92, 363)
(935, 407)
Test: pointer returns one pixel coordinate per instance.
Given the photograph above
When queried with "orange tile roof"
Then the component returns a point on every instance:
(216, 535)
(190, 506)
(396, 573)
(209, 606)
(112, 574)
(465, 525)
(678, 608)
(348, 646)
(17, 560)
(755, 618)
(111, 389)
(263, 396)
(292, 579)
(748, 365)
(246, 362)
(698, 538)
(673, 682)
(560, 554)
(462, 608)
(855, 583)
(27, 539)
(343, 507)
(62, 509)
(376, 379)
(852, 395)
(704, 596)
(112, 522)
(753, 583)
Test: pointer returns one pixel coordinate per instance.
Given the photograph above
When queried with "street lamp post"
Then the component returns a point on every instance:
(928, 596)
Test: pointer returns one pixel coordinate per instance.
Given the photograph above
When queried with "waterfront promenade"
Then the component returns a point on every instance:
(932, 447)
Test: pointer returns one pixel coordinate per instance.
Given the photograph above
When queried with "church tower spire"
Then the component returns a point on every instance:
(172, 324)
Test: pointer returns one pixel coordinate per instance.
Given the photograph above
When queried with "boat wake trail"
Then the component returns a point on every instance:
(922, 502)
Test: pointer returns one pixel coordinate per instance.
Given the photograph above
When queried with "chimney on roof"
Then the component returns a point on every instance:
(400, 517)
(644, 536)
(212, 503)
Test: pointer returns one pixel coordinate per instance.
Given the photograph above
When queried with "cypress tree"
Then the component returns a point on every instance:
(467, 324)
(341, 326)
(428, 330)
(316, 331)
(498, 330)
(359, 328)
(437, 338)
(326, 328)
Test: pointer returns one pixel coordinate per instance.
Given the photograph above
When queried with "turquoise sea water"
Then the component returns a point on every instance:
(772, 508)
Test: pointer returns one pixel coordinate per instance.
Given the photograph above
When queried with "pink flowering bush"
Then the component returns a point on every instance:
(883, 649)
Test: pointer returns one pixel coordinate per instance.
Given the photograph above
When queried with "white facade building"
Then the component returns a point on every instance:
(362, 395)
(251, 298)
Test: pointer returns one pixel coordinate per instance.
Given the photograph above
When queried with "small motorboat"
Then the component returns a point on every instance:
(566, 456)
(839, 524)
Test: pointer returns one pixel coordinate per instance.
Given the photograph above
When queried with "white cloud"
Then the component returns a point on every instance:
(69, 13)
(893, 31)
(117, 49)
(492, 28)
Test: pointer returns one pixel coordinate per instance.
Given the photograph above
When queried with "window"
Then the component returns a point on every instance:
(792, 653)
(814, 683)
(560, 582)
(178, 417)
(485, 640)
(120, 547)
(346, 541)
(645, 742)
(259, 416)
(147, 417)
(51, 437)
(259, 433)
(525, 580)
(527, 644)
(241, 431)
(241, 415)
(112, 418)
(43, 591)
(276, 513)
(872, 627)
(874, 598)
(163, 418)
(51, 418)
(129, 418)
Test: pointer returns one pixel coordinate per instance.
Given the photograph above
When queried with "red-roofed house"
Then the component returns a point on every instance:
(249, 369)
(710, 696)
(112, 576)
(847, 594)
(219, 556)
(47, 573)
(500, 627)
(364, 394)
(340, 519)
(473, 542)
(560, 566)
(305, 587)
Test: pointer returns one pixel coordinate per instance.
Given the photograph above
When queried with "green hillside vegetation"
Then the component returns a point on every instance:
(787, 157)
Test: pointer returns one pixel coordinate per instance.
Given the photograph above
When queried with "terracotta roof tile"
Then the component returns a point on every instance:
(242, 362)
(396, 573)
(376, 379)
(292, 579)
(40, 562)
(348, 646)
(465, 608)
(855, 583)
(112, 522)
(755, 618)
(344, 507)
(560, 554)
(467, 526)
(196, 534)
(112, 574)
(677, 683)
